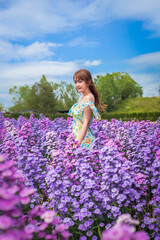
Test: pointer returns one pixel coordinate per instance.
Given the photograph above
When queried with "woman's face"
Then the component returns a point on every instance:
(81, 85)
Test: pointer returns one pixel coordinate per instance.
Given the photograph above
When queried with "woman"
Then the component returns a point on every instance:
(84, 111)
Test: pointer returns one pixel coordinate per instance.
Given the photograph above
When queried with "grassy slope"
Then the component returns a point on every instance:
(139, 104)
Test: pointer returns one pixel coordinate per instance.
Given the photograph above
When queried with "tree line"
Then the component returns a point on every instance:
(47, 97)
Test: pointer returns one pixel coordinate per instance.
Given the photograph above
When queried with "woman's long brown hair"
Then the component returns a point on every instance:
(86, 76)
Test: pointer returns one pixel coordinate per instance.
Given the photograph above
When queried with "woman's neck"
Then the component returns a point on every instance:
(84, 94)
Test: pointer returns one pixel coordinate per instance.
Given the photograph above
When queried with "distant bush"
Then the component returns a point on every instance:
(152, 116)
(16, 115)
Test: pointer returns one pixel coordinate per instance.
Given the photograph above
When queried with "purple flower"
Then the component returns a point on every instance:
(120, 174)
(101, 224)
(94, 237)
(83, 238)
(30, 228)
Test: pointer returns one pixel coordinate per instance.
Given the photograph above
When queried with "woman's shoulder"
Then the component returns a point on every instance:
(90, 98)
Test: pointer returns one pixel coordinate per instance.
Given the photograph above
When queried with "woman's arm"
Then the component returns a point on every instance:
(86, 120)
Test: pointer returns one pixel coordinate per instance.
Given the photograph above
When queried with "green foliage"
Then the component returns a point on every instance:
(1, 107)
(152, 116)
(16, 115)
(116, 87)
(40, 97)
(20, 98)
(66, 95)
(43, 97)
(138, 104)
(27, 115)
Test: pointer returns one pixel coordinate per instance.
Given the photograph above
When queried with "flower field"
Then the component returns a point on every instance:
(50, 189)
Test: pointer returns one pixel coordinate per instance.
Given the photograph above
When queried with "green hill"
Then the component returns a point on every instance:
(139, 104)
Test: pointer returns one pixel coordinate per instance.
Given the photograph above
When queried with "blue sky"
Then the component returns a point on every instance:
(57, 38)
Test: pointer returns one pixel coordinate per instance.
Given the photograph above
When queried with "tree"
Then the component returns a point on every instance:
(66, 95)
(20, 98)
(107, 89)
(40, 97)
(116, 87)
(127, 86)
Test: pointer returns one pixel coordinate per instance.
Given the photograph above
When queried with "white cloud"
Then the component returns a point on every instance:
(144, 10)
(149, 82)
(34, 70)
(26, 19)
(81, 41)
(38, 50)
(146, 60)
(35, 51)
(89, 63)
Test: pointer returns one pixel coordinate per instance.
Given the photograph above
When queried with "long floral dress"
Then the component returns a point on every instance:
(77, 113)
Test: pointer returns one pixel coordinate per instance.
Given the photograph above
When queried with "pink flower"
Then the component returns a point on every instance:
(6, 205)
(26, 192)
(15, 212)
(140, 178)
(37, 211)
(72, 175)
(124, 230)
(3, 157)
(43, 226)
(126, 218)
(41, 235)
(48, 216)
(61, 228)
(6, 194)
(5, 222)
(117, 232)
(25, 200)
(65, 234)
(158, 154)
(49, 237)
(14, 189)
(140, 236)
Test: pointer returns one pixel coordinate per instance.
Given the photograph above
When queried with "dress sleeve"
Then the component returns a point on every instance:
(96, 114)
(70, 113)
